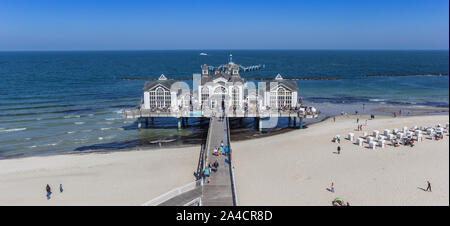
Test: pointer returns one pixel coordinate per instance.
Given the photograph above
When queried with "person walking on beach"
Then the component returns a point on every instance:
(49, 191)
(429, 186)
(339, 150)
(61, 188)
(332, 187)
(357, 120)
(334, 119)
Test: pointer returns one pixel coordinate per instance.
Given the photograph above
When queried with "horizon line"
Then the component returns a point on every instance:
(218, 49)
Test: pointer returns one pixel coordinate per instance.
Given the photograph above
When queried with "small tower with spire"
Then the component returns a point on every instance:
(205, 71)
(231, 58)
(235, 70)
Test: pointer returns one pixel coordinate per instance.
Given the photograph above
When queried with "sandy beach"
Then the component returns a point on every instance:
(296, 168)
(293, 168)
(118, 178)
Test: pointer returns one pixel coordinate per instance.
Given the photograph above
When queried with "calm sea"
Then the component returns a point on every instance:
(60, 102)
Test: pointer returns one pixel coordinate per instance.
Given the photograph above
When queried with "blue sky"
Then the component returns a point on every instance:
(140, 25)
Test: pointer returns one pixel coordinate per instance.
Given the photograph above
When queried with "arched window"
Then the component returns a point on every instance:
(220, 90)
(281, 97)
(273, 99)
(219, 97)
(152, 98)
(167, 98)
(205, 96)
(235, 96)
(160, 97)
(288, 95)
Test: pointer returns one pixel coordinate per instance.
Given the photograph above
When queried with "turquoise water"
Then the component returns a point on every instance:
(59, 102)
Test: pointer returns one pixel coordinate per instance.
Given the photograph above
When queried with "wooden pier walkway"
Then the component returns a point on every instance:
(217, 189)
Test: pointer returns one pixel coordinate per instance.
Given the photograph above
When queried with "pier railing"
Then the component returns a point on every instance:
(208, 145)
(142, 113)
(230, 153)
(173, 193)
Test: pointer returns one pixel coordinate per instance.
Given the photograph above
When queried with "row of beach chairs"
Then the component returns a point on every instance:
(416, 133)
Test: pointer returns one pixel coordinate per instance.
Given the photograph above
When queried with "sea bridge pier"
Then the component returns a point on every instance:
(297, 115)
(219, 94)
(219, 188)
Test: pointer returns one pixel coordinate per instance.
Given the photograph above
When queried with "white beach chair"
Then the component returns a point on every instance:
(395, 130)
(382, 143)
(372, 145)
(409, 134)
(376, 133)
(390, 137)
(351, 136)
(370, 140)
(360, 142)
(386, 132)
(400, 135)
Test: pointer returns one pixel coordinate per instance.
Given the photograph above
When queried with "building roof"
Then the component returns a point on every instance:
(163, 81)
(272, 84)
(226, 76)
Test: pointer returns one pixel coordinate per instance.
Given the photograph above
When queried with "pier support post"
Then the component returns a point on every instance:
(183, 122)
(259, 124)
(153, 120)
(300, 123)
(146, 122)
(295, 122)
(179, 123)
(289, 122)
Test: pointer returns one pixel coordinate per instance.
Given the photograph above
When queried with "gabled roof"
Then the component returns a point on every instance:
(162, 81)
(280, 81)
(273, 84)
(227, 77)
